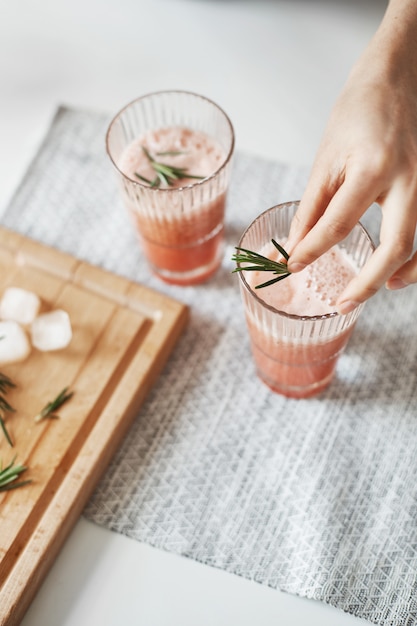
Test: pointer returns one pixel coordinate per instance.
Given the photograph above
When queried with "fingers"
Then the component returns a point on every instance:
(406, 275)
(365, 284)
(313, 204)
(319, 226)
(397, 234)
(333, 223)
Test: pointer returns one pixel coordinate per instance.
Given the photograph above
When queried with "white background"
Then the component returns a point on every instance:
(276, 67)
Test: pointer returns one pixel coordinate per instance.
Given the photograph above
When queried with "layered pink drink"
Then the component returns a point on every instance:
(298, 366)
(296, 335)
(172, 151)
(180, 242)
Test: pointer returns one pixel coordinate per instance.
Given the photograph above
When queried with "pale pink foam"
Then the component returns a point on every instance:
(201, 155)
(314, 291)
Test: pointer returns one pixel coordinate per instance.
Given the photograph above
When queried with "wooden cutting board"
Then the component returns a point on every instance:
(122, 335)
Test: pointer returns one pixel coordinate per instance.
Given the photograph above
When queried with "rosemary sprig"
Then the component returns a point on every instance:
(50, 408)
(165, 174)
(170, 153)
(262, 263)
(5, 407)
(6, 432)
(9, 474)
(5, 383)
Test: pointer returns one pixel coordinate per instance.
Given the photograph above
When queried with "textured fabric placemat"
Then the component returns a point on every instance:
(316, 497)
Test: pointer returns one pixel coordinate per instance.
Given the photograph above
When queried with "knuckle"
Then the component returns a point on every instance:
(400, 248)
(361, 291)
(373, 167)
(379, 163)
(302, 223)
(403, 247)
(368, 291)
(337, 229)
(309, 257)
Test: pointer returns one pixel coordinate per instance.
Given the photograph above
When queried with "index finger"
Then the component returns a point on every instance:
(344, 210)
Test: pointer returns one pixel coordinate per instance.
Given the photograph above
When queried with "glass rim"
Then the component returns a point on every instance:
(293, 316)
(171, 91)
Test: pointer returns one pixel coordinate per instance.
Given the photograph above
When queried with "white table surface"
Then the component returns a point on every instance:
(276, 67)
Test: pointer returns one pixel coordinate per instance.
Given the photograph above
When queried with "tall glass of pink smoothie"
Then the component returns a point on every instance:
(296, 334)
(179, 219)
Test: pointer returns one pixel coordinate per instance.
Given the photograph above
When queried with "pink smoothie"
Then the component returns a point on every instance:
(304, 366)
(314, 291)
(181, 228)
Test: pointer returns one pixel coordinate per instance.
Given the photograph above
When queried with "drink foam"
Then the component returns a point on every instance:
(313, 291)
(199, 154)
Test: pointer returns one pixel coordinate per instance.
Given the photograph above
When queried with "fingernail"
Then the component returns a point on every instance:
(347, 306)
(296, 267)
(396, 283)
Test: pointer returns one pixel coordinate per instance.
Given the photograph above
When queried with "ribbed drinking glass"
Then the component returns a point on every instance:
(181, 229)
(296, 355)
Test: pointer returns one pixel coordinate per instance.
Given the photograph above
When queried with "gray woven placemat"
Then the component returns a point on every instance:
(317, 497)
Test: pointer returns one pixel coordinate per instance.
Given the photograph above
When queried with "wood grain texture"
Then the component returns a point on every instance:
(122, 335)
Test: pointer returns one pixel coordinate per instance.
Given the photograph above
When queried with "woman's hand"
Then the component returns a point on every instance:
(369, 154)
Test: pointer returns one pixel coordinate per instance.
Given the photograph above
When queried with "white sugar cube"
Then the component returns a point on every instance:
(19, 305)
(51, 331)
(14, 344)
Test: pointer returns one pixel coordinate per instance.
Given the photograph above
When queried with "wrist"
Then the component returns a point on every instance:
(390, 58)
(395, 42)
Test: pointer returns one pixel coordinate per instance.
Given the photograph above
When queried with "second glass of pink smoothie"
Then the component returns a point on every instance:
(179, 220)
(296, 335)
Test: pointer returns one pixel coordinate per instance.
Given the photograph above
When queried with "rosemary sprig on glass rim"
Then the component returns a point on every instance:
(260, 263)
(50, 408)
(9, 474)
(165, 174)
